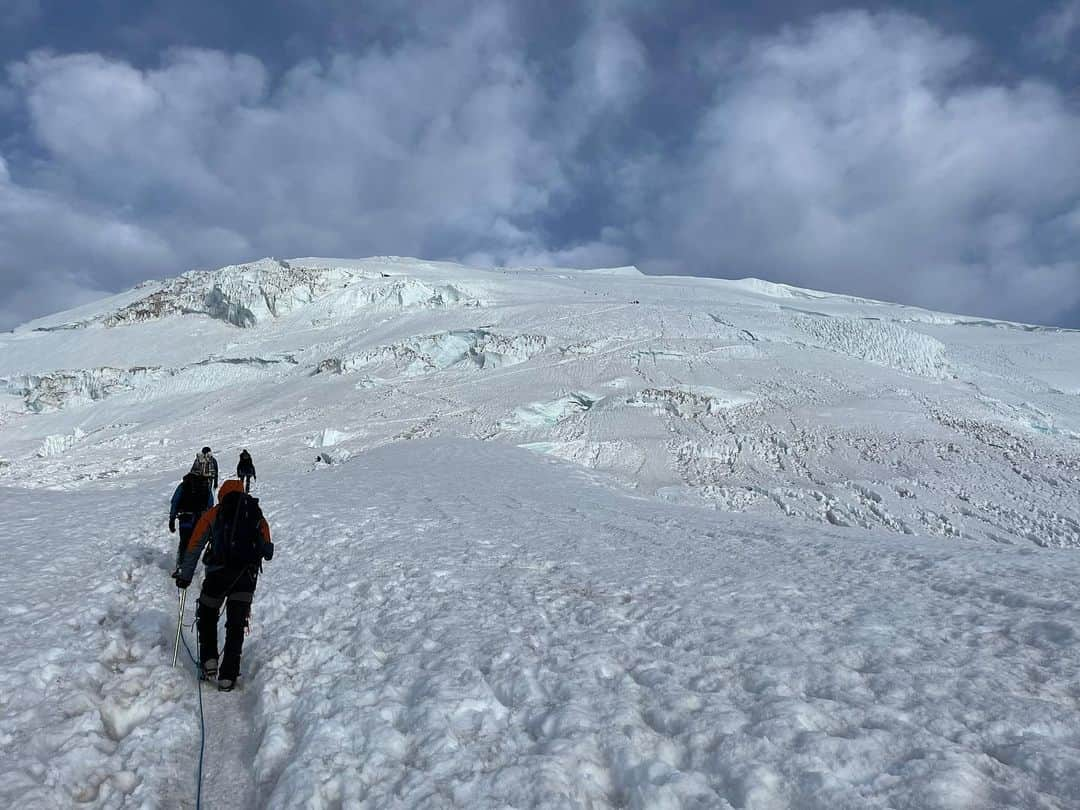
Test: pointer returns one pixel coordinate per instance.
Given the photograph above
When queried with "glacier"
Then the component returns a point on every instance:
(589, 539)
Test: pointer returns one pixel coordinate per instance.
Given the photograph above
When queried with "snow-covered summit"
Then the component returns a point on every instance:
(247, 294)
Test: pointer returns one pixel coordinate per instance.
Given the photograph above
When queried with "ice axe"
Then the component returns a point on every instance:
(179, 624)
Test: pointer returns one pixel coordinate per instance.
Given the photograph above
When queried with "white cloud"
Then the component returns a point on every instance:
(854, 153)
(850, 155)
(610, 64)
(522, 249)
(123, 133)
(417, 149)
(54, 255)
(390, 143)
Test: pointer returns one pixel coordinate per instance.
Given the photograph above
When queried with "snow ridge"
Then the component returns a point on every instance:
(247, 295)
(418, 356)
(57, 389)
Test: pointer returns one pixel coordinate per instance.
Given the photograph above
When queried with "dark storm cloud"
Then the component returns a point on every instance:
(19, 13)
(870, 152)
(1057, 33)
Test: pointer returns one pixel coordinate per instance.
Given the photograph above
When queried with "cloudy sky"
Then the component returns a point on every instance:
(923, 152)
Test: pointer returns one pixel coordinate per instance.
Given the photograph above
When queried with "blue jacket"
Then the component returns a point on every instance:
(188, 519)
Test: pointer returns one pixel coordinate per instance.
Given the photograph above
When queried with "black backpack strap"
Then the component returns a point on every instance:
(235, 520)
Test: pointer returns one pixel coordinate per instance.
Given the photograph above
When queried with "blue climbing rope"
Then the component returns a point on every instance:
(202, 726)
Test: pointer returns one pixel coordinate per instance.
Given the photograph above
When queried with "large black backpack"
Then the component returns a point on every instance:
(237, 542)
(194, 495)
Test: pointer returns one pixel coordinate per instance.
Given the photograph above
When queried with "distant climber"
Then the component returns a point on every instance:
(245, 470)
(239, 540)
(192, 497)
(206, 466)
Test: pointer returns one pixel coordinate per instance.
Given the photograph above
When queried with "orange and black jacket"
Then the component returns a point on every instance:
(204, 533)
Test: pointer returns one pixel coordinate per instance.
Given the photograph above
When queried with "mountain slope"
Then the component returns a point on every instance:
(575, 539)
(742, 395)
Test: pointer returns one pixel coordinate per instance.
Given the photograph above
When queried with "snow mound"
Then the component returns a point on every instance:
(419, 356)
(773, 289)
(879, 342)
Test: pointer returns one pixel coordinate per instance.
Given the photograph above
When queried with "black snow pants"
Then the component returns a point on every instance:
(235, 589)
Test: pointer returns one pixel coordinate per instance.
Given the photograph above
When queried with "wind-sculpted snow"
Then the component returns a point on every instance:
(767, 548)
(548, 414)
(879, 342)
(775, 290)
(58, 389)
(419, 356)
(59, 444)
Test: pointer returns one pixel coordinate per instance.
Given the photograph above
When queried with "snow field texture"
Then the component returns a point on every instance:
(759, 555)
(422, 649)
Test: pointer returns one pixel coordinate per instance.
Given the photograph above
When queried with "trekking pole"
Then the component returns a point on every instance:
(179, 624)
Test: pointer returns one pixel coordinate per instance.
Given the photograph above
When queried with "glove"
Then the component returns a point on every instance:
(172, 525)
(268, 551)
(182, 583)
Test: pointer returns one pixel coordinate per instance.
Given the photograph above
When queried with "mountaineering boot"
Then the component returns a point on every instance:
(236, 617)
(226, 684)
(209, 669)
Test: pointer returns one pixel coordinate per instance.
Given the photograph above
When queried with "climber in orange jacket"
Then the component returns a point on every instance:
(237, 539)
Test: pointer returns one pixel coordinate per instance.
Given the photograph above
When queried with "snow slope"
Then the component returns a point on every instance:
(585, 539)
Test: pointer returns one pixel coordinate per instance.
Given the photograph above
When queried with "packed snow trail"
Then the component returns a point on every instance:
(455, 624)
(229, 748)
